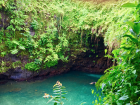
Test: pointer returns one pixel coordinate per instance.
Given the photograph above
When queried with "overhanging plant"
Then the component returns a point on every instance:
(121, 84)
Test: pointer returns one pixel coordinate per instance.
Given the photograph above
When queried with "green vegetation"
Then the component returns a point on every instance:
(44, 30)
(5, 65)
(60, 91)
(121, 84)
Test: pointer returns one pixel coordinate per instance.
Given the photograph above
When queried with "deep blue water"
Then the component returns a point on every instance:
(31, 93)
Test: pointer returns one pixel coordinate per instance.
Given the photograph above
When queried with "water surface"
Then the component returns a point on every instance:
(31, 93)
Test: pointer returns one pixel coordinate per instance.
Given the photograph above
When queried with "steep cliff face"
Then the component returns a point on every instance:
(92, 61)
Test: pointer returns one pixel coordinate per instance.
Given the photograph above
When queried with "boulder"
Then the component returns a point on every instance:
(21, 75)
(18, 74)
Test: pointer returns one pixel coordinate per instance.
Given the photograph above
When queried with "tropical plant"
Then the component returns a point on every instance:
(60, 91)
(60, 27)
(34, 25)
(32, 66)
(121, 84)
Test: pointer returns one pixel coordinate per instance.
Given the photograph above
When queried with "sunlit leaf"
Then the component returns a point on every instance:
(92, 91)
(132, 32)
(63, 97)
(131, 24)
(129, 5)
(105, 51)
(103, 85)
(124, 97)
(56, 90)
(134, 72)
(15, 42)
(22, 47)
(15, 51)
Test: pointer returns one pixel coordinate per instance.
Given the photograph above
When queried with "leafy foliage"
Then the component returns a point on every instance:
(58, 27)
(60, 91)
(32, 66)
(6, 65)
(3, 67)
(122, 83)
(34, 25)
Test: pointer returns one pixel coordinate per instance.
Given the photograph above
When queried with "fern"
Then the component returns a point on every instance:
(59, 90)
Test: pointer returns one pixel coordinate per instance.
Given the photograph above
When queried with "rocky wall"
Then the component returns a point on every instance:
(92, 61)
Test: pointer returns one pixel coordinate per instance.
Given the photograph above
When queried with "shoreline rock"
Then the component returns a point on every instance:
(81, 63)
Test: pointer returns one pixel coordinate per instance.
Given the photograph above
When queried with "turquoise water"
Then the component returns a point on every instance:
(31, 93)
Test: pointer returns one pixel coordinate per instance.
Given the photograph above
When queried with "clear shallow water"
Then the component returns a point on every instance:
(31, 93)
